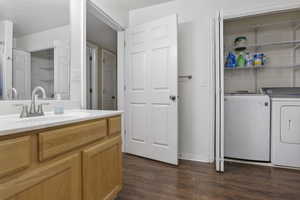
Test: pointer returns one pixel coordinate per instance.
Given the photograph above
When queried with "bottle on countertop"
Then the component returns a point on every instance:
(59, 106)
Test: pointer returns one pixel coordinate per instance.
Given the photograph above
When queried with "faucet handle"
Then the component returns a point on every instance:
(24, 112)
(40, 107)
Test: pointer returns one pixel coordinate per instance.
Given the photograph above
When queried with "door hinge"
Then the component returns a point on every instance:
(125, 88)
(125, 43)
(91, 58)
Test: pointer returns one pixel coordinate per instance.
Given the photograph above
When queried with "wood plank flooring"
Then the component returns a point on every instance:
(149, 180)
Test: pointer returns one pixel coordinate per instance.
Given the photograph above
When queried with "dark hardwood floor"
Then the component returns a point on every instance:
(149, 180)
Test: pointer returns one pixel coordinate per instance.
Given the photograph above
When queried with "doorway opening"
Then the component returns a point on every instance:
(257, 73)
(101, 64)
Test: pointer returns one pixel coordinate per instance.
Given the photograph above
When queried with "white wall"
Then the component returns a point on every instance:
(195, 47)
(43, 40)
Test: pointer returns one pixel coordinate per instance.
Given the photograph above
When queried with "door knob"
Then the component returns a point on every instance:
(173, 97)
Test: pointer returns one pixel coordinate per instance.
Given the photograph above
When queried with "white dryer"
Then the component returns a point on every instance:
(286, 131)
(247, 127)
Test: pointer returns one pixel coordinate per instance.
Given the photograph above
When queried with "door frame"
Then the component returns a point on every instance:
(107, 19)
(98, 11)
(238, 14)
(102, 73)
(94, 72)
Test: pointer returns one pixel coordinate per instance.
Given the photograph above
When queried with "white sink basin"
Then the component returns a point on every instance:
(10, 124)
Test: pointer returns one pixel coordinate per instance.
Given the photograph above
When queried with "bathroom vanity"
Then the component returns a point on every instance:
(72, 156)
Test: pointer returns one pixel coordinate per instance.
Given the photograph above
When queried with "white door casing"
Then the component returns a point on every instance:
(88, 78)
(219, 160)
(22, 73)
(92, 76)
(151, 94)
(62, 68)
(109, 80)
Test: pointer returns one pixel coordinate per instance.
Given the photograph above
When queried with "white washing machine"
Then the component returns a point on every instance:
(286, 131)
(247, 127)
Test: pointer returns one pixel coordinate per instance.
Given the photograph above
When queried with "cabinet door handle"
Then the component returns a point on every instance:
(290, 124)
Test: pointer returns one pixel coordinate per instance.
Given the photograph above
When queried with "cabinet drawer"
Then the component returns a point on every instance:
(114, 125)
(15, 155)
(61, 140)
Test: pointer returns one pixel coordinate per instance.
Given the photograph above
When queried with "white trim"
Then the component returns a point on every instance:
(125, 88)
(194, 157)
(212, 86)
(82, 14)
(104, 17)
(260, 164)
(260, 11)
(95, 68)
(219, 93)
(121, 80)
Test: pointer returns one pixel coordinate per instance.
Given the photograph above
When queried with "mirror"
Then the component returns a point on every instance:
(34, 48)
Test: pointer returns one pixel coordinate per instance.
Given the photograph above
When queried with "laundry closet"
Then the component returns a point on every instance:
(262, 88)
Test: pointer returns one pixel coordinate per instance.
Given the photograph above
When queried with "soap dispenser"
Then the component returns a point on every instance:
(59, 106)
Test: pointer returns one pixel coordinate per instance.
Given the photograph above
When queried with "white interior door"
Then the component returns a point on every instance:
(109, 80)
(151, 95)
(22, 73)
(62, 68)
(219, 94)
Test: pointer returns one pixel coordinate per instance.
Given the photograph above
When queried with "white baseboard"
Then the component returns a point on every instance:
(193, 157)
(261, 164)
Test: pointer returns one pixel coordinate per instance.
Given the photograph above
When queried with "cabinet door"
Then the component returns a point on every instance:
(59, 180)
(102, 170)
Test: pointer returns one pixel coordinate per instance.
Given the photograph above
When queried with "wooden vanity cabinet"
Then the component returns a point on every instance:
(102, 170)
(59, 180)
(40, 166)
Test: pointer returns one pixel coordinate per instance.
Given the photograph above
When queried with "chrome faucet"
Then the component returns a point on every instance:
(34, 110)
(14, 93)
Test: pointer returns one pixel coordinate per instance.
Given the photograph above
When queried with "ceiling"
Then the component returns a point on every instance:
(131, 4)
(101, 34)
(31, 16)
